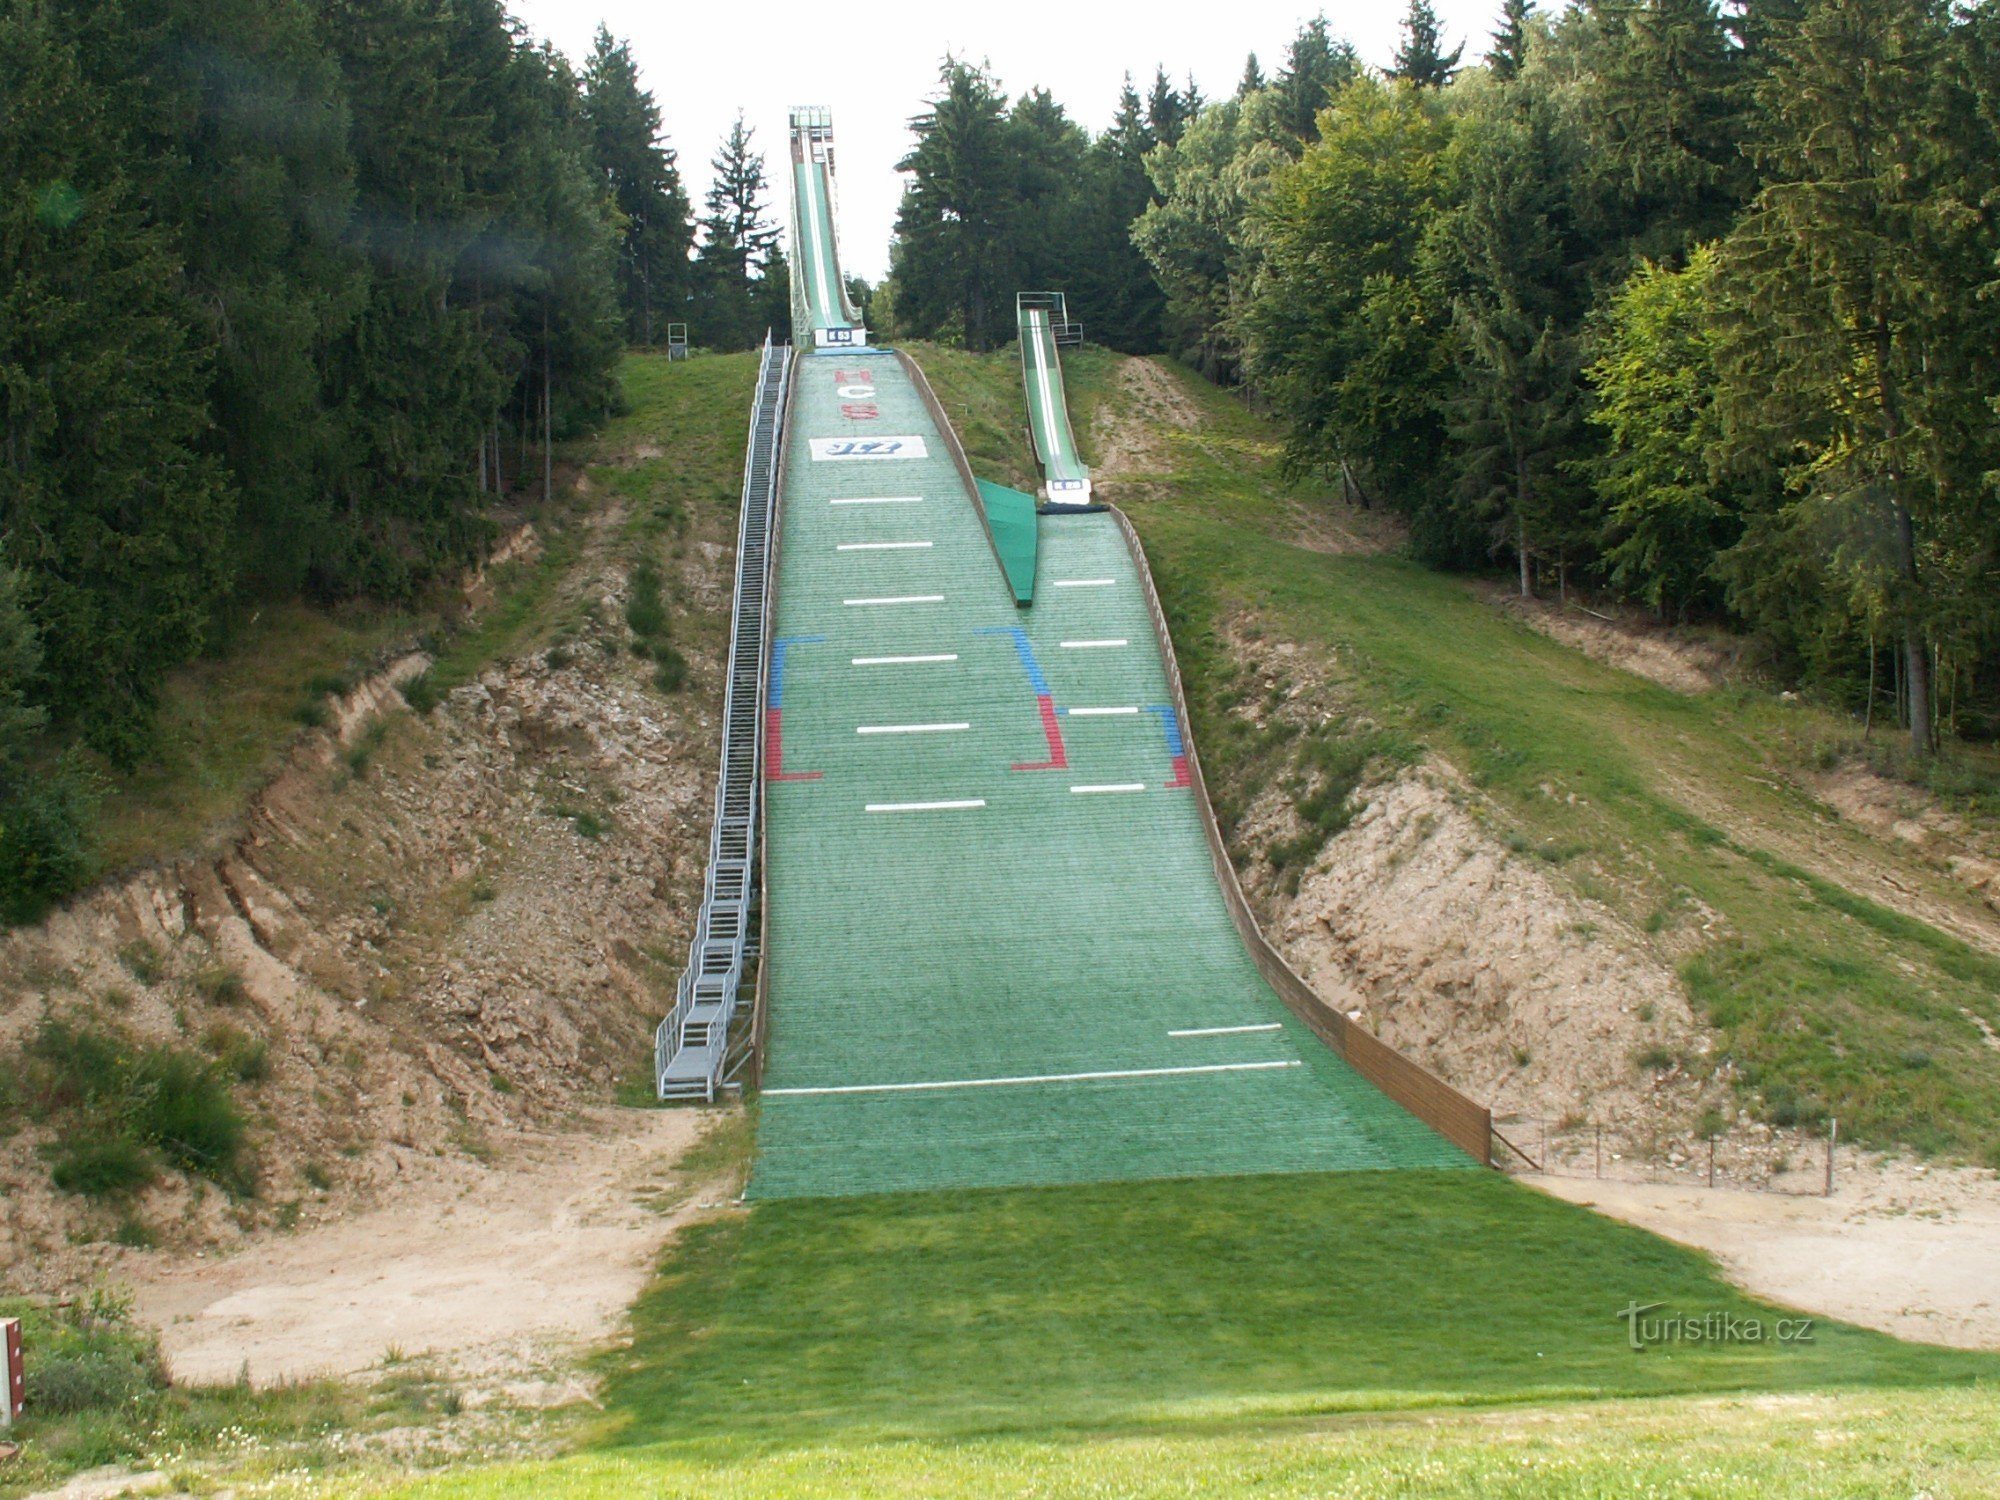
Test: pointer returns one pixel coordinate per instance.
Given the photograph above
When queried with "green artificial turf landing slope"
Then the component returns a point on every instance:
(985, 864)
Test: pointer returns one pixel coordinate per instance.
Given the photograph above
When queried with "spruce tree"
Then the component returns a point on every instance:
(1421, 60)
(737, 241)
(198, 88)
(1514, 247)
(119, 519)
(1252, 79)
(1509, 52)
(645, 182)
(1315, 66)
(1167, 110)
(1667, 118)
(953, 261)
(1850, 356)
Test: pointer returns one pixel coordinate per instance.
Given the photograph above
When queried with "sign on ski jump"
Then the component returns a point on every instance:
(869, 448)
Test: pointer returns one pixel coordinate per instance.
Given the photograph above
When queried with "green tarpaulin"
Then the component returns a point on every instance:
(1011, 515)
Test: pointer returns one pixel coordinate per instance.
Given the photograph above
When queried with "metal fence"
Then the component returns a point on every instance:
(1796, 1163)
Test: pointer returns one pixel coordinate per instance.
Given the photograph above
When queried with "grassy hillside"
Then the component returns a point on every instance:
(1684, 812)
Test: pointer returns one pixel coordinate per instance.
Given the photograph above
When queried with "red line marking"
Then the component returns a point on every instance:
(774, 751)
(1052, 731)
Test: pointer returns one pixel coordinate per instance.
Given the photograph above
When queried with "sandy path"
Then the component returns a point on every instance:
(495, 1265)
(1914, 1255)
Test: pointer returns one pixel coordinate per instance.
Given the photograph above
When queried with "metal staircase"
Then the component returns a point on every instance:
(692, 1051)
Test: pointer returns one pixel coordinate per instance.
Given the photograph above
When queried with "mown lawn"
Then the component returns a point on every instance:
(1069, 1340)
(1848, 1446)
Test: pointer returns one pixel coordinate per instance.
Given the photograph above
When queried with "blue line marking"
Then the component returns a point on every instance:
(1027, 654)
(1171, 722)
(775, 693)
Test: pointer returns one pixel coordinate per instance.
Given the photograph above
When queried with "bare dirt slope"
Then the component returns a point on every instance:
(1909, 1251)
(449, 935)
(499, 1268)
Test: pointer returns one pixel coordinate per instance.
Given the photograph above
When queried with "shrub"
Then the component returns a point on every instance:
(117, 1107)
(143, 962)
(421, 692)
(672, 673)
(188, 1113)
(45, 838)
(220, 985)
(61, 1385)
(1784, 1107)
(645, 609)
(245, 1057)
(104, 1168)
(1656, 1059)
(329, 685)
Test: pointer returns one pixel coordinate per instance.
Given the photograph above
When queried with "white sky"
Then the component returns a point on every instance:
(873, 64)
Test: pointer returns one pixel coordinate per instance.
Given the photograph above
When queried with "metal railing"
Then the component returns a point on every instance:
(691, 1048)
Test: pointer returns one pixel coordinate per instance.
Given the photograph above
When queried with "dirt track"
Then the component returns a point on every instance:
(503, 1268)
(1915, 1254)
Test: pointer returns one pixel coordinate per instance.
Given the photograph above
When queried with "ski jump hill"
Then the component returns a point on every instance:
(969, 922)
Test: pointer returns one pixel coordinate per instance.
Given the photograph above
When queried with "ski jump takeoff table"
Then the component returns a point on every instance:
(997, 951)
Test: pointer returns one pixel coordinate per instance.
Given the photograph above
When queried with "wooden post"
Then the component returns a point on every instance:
(1711, 1161)
(1832, 1135)
(1600, 1151)
(13, 1375)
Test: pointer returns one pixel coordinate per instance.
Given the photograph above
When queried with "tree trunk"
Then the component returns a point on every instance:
(1916, 675)
(1521, 546)
(1868, 718)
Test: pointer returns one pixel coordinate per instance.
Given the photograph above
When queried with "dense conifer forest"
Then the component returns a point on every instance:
(292, 292)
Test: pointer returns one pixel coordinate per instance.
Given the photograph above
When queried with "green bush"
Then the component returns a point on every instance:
(117, 1108)
(102, 1168)
(646, 609)
(329, 685)
(188, 1113)
(143, 962)
(421, 692)
(671, 675)
(62, 1385)
(246, 1058)
(220, 985)
(46, 823)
